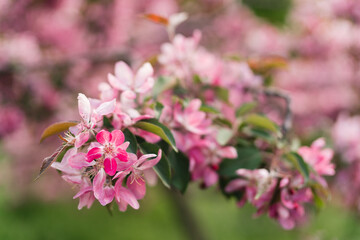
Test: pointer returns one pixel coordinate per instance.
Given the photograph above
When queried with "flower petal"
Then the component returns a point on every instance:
(104, 194)
(79, 161)
(94, 153)
(117, 137)
(110, 166)
(136, 186)
(145, 71)
(227, 152)
(122, 155)
(103, 137)
(106, 108)
(81, 139)
(150, 163)
(84, 107)
(124, 194)
(124, 72)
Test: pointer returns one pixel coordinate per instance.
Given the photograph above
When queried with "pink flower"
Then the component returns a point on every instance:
(319, 157)
(90, 117)
(124, 196)
(140, 169)
(112, 147)
(259, 186)
(85, 195)
(125, 79)
(103, 189)
(191, 118)
(72, 173)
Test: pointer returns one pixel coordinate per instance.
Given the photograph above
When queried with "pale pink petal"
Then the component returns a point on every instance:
(86, 199)
(84, 107)
(227, 152)
(127, 196)
(124, 194)
(117, 83)
(94, 153)
(83, 191)
(319, 143)
(148, 85)
(103, 137)
(117, 137)
(236, 185)
(150, 177)
(124, 72)
(193, 106)
(109, 195)
(81, 139)
(145, 71)
(79, 161)
(106, 108)
(151, 163)
(103, 194)
(75, 179)
(110, 166)
(137, 186)
(210, 177)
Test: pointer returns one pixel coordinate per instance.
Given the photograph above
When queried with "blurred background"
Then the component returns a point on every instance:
(52, 49)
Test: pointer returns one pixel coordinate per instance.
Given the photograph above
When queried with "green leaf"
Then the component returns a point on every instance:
(197, 79)
(261, 122)
(320, 194)
(248, 157)
(245, 108)
(56, 128)
(274, 11)
(224, 135)
(299, 163)
(158, 109)
(222, 122)
(180, 174)
(154, 126)
(129, 136)
(208, 109)
(222, 94)
(260, 133)
(107, 123)
(162, 169)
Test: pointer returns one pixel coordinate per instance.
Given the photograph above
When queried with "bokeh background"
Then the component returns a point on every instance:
(52, 49)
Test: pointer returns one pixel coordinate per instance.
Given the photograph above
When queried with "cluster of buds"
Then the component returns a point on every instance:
(198, 117)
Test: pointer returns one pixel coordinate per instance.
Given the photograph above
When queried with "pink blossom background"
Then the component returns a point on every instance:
(58, 48)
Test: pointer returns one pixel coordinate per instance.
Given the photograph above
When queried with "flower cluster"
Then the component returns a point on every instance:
(281, 191)
(198, 117)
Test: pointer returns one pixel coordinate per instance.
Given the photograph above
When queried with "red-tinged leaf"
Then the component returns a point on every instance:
(157, 19)
(57, 128)
(49, 160)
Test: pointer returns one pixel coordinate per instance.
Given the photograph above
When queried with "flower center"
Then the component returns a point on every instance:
(108, 149)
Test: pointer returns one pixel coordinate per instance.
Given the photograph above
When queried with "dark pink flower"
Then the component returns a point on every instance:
(111, 148)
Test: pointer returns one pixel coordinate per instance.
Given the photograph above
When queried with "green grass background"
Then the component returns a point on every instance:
(157, 218)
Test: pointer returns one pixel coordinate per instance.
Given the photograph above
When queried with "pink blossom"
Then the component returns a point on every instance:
(103, 190)
(111, 147)
(191, 118)
(140, 168)
(319, 157)
(90, 115)
(125, 79)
